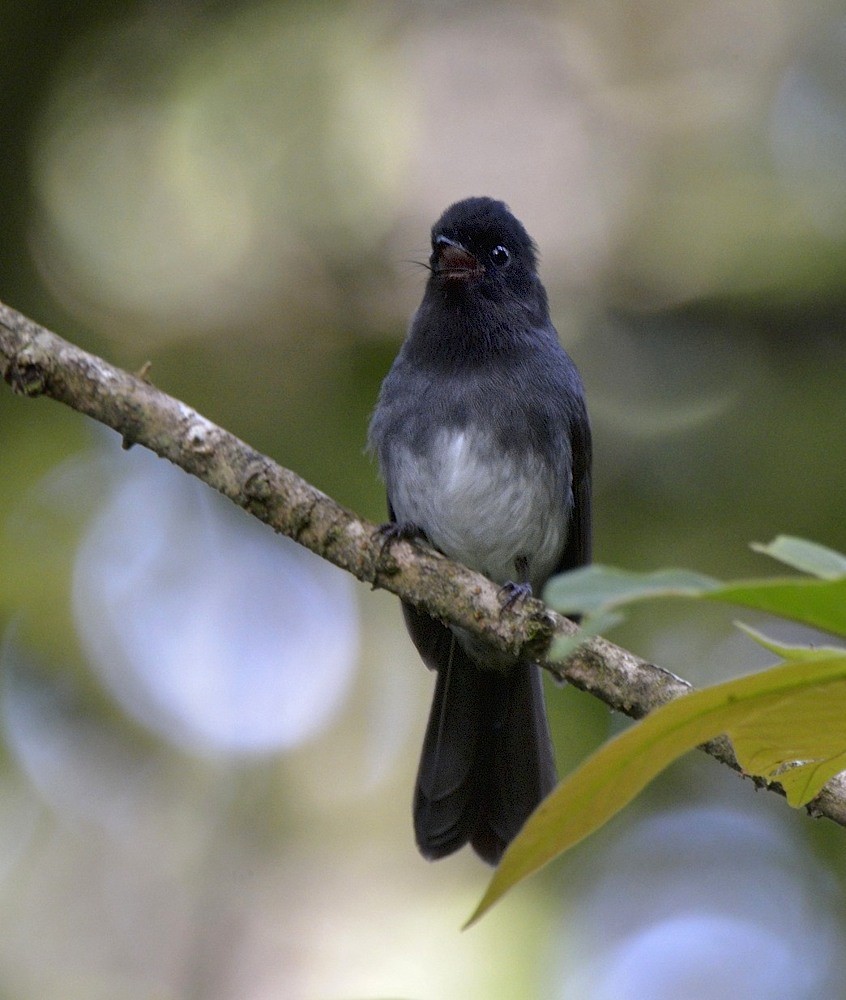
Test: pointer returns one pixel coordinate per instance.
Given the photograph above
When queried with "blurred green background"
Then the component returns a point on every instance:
(209, 737)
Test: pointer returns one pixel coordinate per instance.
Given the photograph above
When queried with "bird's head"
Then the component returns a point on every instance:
(478, 244)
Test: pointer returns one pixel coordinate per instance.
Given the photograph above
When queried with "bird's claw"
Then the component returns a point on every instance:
(514, 593)
(394, 531)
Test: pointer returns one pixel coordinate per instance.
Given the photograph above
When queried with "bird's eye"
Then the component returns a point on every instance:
(500, 256)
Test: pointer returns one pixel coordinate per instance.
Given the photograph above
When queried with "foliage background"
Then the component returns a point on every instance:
(209, 739)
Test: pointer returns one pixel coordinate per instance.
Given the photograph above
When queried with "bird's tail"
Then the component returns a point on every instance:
(487, 757)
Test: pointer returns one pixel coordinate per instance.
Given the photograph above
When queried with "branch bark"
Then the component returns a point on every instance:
(36, 362)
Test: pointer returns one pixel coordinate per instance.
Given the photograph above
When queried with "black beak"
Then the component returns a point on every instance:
(452, 260)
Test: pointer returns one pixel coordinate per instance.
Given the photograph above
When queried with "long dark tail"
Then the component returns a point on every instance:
(487, 756)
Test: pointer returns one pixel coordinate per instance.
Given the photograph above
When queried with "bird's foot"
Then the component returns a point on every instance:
(512, 594)
(394, 531)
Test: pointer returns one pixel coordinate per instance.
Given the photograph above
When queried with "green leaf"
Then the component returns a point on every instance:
(592, 589)
(793, 712)
(809, 557)
(819, 603)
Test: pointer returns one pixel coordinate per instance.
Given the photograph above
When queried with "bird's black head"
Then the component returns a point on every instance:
(477, 243)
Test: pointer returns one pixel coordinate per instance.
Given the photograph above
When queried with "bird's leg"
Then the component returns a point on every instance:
(513, 592)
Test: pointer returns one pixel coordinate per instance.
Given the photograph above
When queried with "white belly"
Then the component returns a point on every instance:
(485, 510)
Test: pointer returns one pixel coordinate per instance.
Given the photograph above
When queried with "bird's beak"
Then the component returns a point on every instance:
(452, 260)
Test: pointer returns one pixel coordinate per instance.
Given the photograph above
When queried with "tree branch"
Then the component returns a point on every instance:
(36, 362)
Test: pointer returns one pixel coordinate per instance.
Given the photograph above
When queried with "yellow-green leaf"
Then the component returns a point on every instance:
(795, 711)
(799, 738)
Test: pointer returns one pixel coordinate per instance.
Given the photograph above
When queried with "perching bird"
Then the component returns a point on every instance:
(483, 441)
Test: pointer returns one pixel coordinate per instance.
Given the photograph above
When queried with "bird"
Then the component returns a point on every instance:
(483, 442)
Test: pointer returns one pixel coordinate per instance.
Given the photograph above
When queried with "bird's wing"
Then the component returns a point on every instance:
(577, 551)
